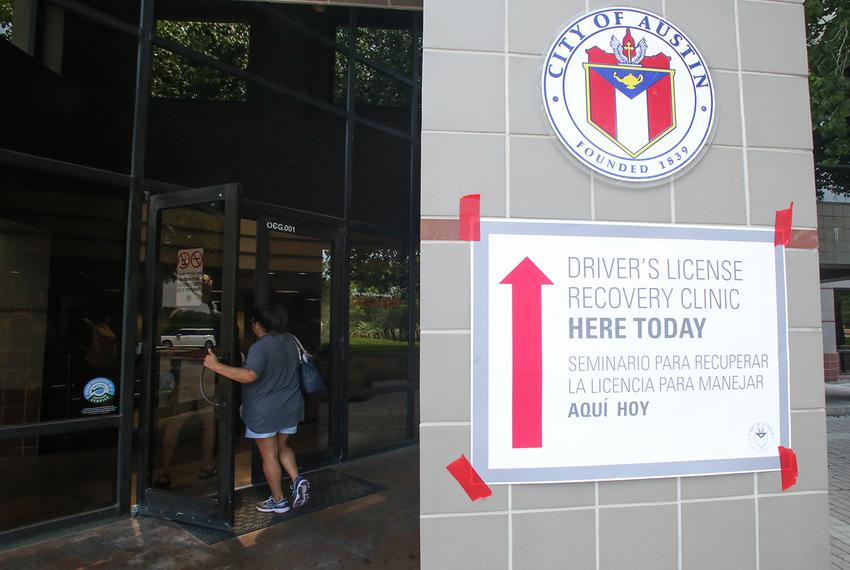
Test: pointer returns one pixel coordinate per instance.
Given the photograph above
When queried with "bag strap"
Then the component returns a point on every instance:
(301, 350)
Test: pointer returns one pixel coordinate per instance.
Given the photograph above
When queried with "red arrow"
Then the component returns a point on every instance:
(527, 281)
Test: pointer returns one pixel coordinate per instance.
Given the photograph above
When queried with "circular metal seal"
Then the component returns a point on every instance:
(629, 95)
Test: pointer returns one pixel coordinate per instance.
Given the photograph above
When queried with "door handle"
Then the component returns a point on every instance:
(201, 386)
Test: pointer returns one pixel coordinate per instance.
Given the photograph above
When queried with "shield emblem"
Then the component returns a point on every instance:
(632, 105)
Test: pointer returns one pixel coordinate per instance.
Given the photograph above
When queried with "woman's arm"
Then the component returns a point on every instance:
(241, 375)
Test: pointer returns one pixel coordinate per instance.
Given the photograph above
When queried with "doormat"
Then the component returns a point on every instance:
(328, 487)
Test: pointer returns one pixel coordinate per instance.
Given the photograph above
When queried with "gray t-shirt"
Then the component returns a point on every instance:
(273, 401)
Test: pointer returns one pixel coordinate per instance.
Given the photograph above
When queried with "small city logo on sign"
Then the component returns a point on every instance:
(760, 437)
(629, 95)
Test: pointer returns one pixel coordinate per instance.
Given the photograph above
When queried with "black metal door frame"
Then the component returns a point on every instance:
(324, 228)
(215, 512)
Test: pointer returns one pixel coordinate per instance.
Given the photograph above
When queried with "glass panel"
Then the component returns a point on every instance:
(382, 98)
(416, 413)
(377, 353)
(175, 78)
(381, 179)
(188, 321)
(227, 42)
(311, 66)
(61, 278)
(842, 320)
(126, 10)
(388, 46)
(6, 12)
(279, 150)
(383, 37)
(376, 420)
(340, 80)
(246, 287)
(378, 96)
(48, 477)
(842, 327)
(253, 35)
(74, 101)
(299, 279)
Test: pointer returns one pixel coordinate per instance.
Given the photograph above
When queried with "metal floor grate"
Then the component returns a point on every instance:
(328, 487)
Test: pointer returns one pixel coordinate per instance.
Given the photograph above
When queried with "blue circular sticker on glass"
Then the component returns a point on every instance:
(99, 390)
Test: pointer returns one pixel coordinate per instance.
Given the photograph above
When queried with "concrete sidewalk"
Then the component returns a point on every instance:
(838, 455)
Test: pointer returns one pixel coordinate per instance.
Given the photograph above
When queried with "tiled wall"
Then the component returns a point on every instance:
(484, 132)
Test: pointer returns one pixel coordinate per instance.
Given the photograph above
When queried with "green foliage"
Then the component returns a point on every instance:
(390, 47)
(360, 346)
(6, 12)
(378, 308)
(176, 78)
(828, 39)
(378, 270)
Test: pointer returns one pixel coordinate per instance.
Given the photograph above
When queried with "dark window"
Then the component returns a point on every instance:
(382, 181)
(842, 327)
(279, 149)
(61, 279)
(48, 477)
(74, 101)
(126, 11)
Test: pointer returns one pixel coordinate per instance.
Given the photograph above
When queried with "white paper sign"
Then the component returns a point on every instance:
(622, 351)
(190, 277)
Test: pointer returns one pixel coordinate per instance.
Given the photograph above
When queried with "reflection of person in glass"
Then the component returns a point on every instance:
(272, 404)
(184, 398)
(174, 426)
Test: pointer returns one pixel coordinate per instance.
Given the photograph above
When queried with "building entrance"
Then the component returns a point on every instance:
(210, 258)
(113, 296)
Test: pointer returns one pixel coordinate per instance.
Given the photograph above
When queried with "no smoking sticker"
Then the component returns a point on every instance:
(190, 260)
(189, 270)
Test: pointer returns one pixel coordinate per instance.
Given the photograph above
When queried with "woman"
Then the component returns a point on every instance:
(272, 404)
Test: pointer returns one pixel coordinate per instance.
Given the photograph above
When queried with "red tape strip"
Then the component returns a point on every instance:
(788, 467)
(470, 217)
(782, 230)
(466, 475)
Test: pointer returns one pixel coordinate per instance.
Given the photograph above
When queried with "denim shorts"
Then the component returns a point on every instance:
(291, 430)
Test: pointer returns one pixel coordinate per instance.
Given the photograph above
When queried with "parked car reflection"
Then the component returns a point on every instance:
(188, 337)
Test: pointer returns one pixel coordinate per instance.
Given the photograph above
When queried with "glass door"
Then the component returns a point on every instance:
(295, 269)
(188, 413)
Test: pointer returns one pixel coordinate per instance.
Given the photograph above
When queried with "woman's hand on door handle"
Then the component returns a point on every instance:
(241, 375)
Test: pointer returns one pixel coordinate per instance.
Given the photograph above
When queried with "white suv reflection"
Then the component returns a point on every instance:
(188, 337)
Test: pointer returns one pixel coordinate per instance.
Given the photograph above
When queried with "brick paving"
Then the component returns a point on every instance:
(838, 455)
